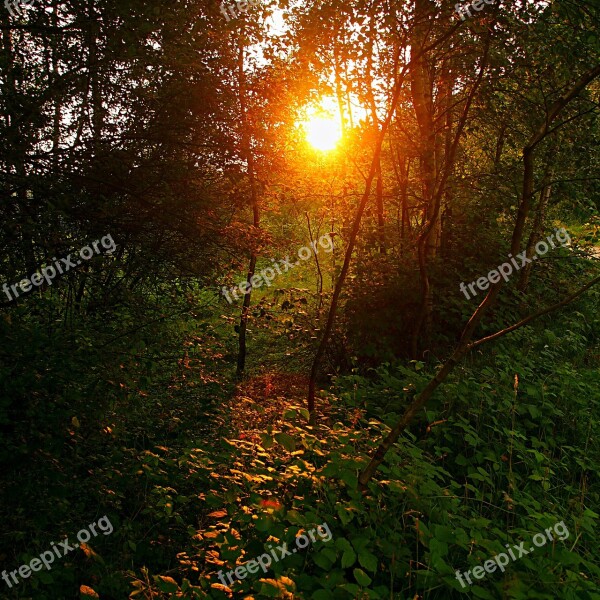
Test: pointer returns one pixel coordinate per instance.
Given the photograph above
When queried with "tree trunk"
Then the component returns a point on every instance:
(536, 234)
(423, 103)
(375, 122)
(248, 155)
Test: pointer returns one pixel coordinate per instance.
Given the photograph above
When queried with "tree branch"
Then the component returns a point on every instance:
(540, 313)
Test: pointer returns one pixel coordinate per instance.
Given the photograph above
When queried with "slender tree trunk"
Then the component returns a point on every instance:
(406, 229)
(17, 143)
(339, 93)
(499, 147)
(422, 99)
(54, 76)
(249, 156)
(376, 124)
(95, 83)
(537, 231)
(318, 265)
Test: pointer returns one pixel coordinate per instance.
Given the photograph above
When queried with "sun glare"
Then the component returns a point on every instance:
(323, 133)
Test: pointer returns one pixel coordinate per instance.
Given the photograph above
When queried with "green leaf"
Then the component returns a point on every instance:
(264, 523)
(45, 578)
(267, 441)
(352, 588)
(343, 544)
(361, 577)
(350, 479)
(438, 547)
(293, 516)
(287, 441)
(444, 534)
(348, 558)
(367, 560)
(271, 588)
(322, 561)
(345, 515)
(304, 412)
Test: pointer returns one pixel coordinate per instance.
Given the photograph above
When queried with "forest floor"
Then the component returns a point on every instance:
(190, 463)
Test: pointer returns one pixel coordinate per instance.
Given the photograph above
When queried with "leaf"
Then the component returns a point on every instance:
(267, 441)
(444, 533)
(352, 588)
(75, 422)
(322, 561)
(348, 558)
(45, 578)
(166, 584)
(87, 592)
(438, 547)
(289, 584)
(271, 588)
(287, 441)
(343, 544)
(367, 560)
(345, 515)
(293, 516)
(350, 479)
(361, 577)
(264, 523)
(218, 514)
(304, 412)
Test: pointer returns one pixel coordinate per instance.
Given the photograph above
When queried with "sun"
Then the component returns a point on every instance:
(322, 133)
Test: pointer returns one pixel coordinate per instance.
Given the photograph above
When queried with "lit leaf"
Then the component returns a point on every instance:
(87, 592)
(166, 584)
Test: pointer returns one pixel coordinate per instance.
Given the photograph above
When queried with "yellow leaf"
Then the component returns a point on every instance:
(75, 422)
(287, 582)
